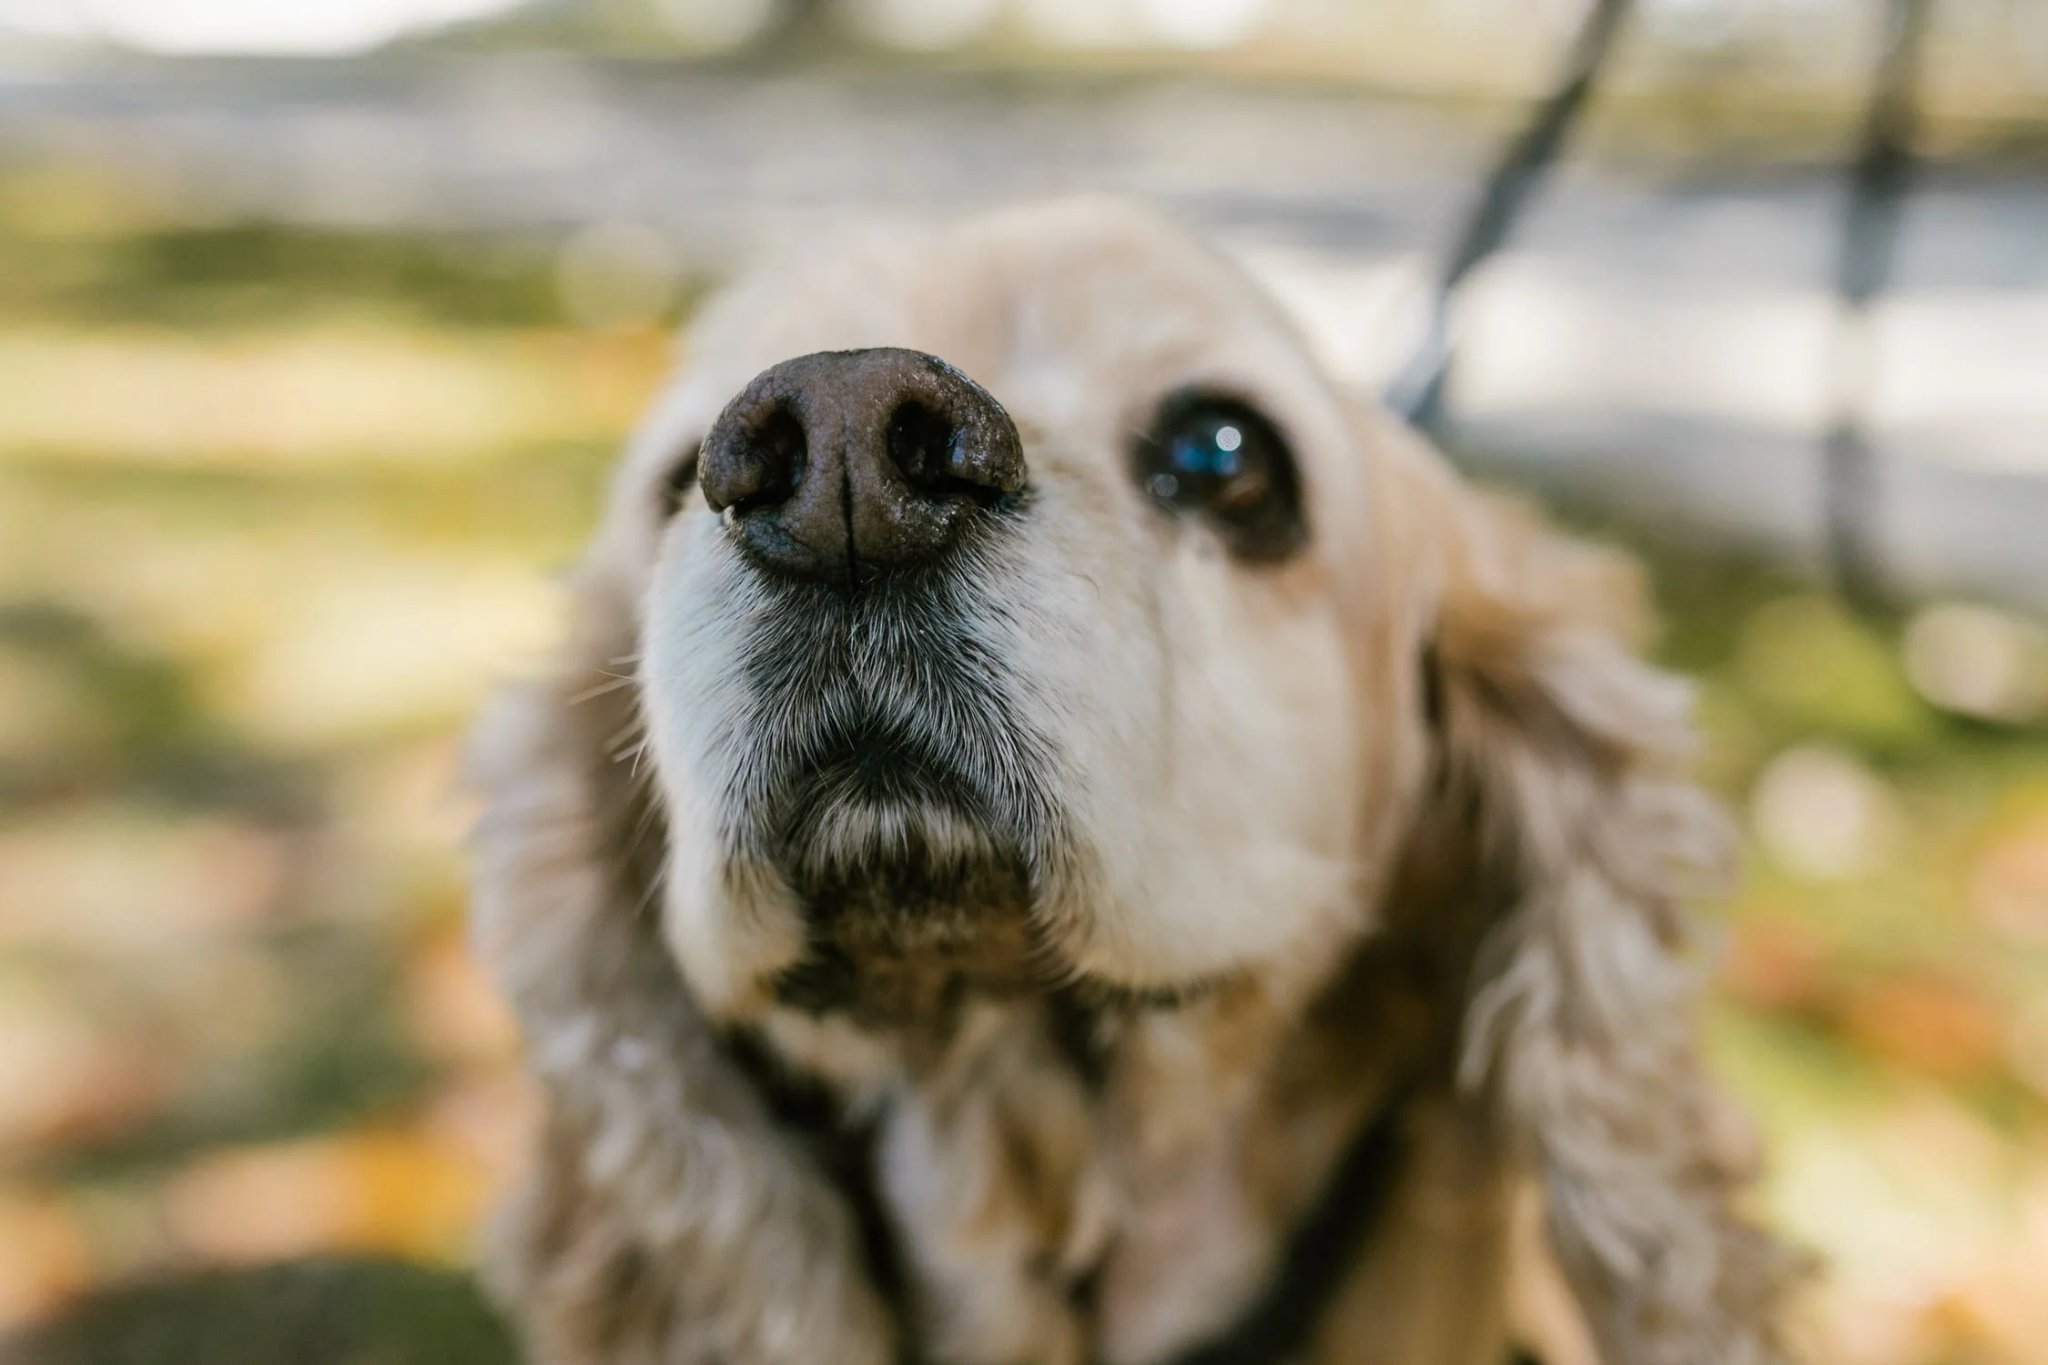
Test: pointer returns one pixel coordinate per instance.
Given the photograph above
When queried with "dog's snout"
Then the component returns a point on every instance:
(839, 463)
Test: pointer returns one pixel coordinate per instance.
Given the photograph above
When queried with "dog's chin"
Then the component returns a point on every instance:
(875, 765)
(911, 908)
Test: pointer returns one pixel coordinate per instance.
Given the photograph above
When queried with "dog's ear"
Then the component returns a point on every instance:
(667, 1214)
(1579, 1033)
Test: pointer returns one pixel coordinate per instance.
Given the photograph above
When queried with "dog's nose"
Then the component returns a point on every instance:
(840, 463)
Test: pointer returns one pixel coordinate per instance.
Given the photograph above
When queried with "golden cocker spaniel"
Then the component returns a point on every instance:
(1062, 837)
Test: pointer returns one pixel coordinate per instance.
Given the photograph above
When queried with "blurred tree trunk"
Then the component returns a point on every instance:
(804, 28)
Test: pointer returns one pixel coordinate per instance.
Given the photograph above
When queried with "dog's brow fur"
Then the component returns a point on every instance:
(1004, 964)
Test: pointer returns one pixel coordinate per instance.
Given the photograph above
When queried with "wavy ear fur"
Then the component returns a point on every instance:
(667, 1212)
(1580, 1028)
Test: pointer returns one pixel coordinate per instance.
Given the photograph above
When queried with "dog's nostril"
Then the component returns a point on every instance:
(925, 445)
(759, 464)
(781, 448)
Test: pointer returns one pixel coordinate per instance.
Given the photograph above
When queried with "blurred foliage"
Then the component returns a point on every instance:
(85, 250)
(239, 633)
(329, 1311)
(243, 272)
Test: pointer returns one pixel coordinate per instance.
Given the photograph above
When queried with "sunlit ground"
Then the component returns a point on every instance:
(276, 506)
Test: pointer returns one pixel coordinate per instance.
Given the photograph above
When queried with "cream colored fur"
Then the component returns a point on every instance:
(1401, 819)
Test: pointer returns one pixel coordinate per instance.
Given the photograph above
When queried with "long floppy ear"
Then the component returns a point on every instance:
(1580, 1027)
(667, 1218)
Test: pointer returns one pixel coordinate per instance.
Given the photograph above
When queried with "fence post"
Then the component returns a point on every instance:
(1878, 183)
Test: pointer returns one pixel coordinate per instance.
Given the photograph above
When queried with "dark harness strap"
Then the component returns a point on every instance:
(1878, 183)
(1417, 392)
(1322, 1252)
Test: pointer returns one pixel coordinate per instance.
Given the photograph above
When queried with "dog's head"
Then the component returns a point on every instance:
(1018, 608)
(1008, 613)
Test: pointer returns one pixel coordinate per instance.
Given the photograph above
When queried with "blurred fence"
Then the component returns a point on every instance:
(1660, 335)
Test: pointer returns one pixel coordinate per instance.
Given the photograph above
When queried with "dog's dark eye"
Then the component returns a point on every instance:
(680, 483)
(1219, 459)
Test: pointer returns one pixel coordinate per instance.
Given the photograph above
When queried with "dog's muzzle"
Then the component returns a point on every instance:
(839, 464)
(882, 771)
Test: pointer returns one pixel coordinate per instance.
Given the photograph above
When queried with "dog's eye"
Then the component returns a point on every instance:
(680, 483)
(1219, 459)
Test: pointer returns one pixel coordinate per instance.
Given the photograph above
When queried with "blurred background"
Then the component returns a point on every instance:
(320, 322)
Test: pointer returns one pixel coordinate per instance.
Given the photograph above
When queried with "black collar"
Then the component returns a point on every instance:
(1276, 1326)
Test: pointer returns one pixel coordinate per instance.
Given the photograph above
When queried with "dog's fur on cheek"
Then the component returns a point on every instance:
(994, 965)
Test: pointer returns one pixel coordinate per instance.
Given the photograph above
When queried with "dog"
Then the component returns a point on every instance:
(1060, 836)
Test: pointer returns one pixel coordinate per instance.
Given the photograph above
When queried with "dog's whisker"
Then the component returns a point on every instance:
(602, 689)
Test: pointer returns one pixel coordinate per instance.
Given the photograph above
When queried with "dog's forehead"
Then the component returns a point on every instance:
(1042, 305)
(1110, 281)
(1080, 316)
